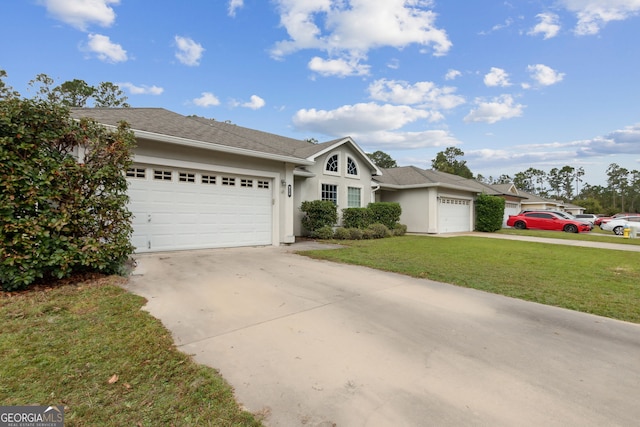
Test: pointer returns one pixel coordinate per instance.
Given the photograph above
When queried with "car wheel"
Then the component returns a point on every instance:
(618, 231)
(570, 228)
(520, 225)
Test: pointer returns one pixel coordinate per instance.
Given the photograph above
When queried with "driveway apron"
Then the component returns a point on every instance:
(313, 343)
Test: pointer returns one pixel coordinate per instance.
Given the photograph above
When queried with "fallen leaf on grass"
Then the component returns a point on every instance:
(113, 379)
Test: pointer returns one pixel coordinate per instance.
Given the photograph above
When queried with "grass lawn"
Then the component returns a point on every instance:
(90, 347)
(595, 235)
(598, 281)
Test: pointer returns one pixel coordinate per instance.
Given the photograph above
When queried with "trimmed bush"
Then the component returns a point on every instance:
(325, 232)
(399, 230)
(379, 231)
(341, 233)
(387, 213)
(355, 234)
(60, 215)
(489, 213)
(356, 217)
(318, 214)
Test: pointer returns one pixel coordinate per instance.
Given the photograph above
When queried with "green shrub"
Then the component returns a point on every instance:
(489, 213)
(325, 232)
(379, 231)
(355, 234)
(59, 216)
(356, 217)
(318, 214)
(341, 233)
(387, 213)
(399, 230)
(368, 234)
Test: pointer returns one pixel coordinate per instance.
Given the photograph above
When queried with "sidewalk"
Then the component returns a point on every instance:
(586, 244)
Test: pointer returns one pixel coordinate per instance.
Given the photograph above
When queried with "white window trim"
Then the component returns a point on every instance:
(361, 194)
(324, 167)
(337, 185)
(346, 168)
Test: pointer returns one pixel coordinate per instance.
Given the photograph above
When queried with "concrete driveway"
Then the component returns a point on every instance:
(313, 343)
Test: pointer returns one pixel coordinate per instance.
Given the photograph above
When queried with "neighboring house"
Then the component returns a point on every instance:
(198, 183)
(533, 202)
(431, 201)
(438, 202)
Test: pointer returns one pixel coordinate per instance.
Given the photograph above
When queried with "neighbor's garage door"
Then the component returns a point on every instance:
(183, 209)
(510, 208)
(454, 215)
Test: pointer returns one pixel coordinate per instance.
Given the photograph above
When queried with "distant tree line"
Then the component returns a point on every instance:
(622, 193)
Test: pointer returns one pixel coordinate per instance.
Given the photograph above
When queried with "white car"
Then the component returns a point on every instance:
(618, 225)
(588, 217)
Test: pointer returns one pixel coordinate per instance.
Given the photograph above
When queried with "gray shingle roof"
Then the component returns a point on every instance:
(165, 122)
(411, 176)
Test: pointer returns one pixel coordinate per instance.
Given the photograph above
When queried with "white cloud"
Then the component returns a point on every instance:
(497, 77)
(352, 28)
(548, 25)
(81, 13)
(545, 76)
(338, 67)
(424, 94)
(500, 108)
(357, 119)
(255, 104)
(452, 74)
(189, 52)
(235, 5)
(141, 90)
(207, 99)
(594, 14)
(105, 49)
(498, 27)
(388, 140)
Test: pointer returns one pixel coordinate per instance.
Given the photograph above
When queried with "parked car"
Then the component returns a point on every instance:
(605, 219)
(565, 215)
(617, 225)
(547, 220)
(588, 217)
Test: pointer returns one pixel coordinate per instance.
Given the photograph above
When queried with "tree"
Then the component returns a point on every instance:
(6, 92)
(59, 216)
(567, 174)
(311, 140)
(447, 161)
(618, 182)
(74, 93)
(108, 95)
(78, 93)
(382, 159)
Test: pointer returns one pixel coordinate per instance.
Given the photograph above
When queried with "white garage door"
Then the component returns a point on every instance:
(454, 215)
(184, 209)
(510, 208)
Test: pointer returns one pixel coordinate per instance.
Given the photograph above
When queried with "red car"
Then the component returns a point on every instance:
(546, 221)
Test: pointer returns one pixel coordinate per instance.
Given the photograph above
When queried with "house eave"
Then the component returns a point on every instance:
(385, 186)
(185, 142)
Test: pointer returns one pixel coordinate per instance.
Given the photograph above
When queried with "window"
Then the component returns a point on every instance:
(332, 164)
(228, 181)
(187, 177)
(263, 184)
(246, 183)
(353, 197)
(208, 179)
(162, 175)
(330, 192)
(352, 167)
(136, 173)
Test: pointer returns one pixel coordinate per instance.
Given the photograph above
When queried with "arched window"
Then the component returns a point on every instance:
(352, 167)
(332, 164)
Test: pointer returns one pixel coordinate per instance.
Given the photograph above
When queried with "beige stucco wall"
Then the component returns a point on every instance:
(417, 212)
(311, 188)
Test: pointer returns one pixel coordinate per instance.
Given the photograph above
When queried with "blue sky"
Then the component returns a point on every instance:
(514, 84)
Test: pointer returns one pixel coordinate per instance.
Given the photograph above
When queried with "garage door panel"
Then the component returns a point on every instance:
(170, 215)
(454, 215)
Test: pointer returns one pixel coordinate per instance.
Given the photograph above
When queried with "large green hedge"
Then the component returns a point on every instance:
(489, 213)
(318, 214)
(61, 212)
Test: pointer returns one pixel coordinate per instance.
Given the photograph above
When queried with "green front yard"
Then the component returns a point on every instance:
(597, 281)
(91, 348)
